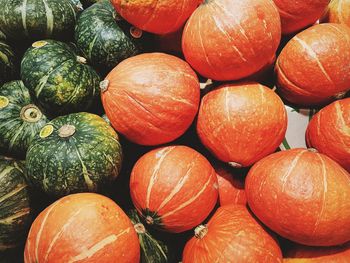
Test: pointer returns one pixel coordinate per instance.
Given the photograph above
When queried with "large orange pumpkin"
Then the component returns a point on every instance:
(231, 235)
(329, 132)
(82, 228)
(160, 17)
(338, 11)
(313, 68)
(173, 188)
(241, 123)
(303, 196)
(151, 98)
(231, 39)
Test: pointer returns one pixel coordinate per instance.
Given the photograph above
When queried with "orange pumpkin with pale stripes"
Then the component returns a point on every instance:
(338, 11)
(173, 188)
(301, 195)
(82, 228)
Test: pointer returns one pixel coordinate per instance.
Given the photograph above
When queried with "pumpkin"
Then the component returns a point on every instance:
(37, 19)
(338, 12)
(231, 39)
(156, 17)
(241, 123)
(82, 228)
(59, 78)
(298, 15)
(328, 132)
(301, 195)
(79, 152)
(324, 52)
(20, 118)
(102, 39)
(7, 63)
(173, 188)
(231, 235)
(151, 98)
(14, 204)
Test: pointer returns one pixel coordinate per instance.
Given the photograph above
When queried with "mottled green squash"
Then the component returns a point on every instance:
(14, 204)
(7, 63)
(78, 5)
(79, 152)
(59, 79)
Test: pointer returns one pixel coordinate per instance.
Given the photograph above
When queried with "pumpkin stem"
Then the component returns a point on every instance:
(30, 113)
(201, 231)
(66, 131)
(235, 165)
(340, 95)
(140, 228)
(149, 220)
(104, 85)
(313, 150)
(81, 60)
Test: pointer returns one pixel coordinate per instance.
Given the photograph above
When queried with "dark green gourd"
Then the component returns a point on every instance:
(79, 152)
(7, 63)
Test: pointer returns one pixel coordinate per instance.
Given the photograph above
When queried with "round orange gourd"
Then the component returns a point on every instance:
(313, 67)
(151, 98)
(338, 11)
(329, 132)
(159, 17)
(82, 228)
(232, 235)
(241, 123)
(173, 188)
(231, 39)
(301, 195)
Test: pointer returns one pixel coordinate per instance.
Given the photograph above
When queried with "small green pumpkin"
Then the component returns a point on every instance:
(7, 63)
(60, 80)
(79, 152)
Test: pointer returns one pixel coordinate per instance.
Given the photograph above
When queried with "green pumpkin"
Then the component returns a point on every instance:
(7, 63)
(60, 80)
(79, 152)
(20, 119)
(37, 19)
(14, 204)
(104, 39)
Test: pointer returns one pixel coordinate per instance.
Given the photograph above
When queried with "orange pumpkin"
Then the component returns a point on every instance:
(231, 235)
(301, 195)
(338, 11)
(151, 98)
(313, 67)
(241, 123)
(329, 132)
(82, 228)
(173, 188)
(231, 39)
(159, 17)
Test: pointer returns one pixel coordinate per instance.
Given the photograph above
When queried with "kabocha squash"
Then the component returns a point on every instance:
(7, 63)
(324, 52)
(156, 17)
(306, 195)
(37, 19)
(104, 41)
(173, 188)
(338, 11)
(82, 228)
(20, 119)
(231, 235)
(231, 39)
(151, 98)
(14, 204)
(74, 153)
(59, 79)
(241, 123)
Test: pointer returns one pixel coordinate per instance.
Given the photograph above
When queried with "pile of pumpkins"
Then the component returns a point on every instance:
(149, 131)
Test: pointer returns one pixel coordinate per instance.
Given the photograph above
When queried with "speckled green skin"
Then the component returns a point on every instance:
(14, 204)
(104, 41)
(84, 162)
(7, 63)
(16, 129)
(37, 19)
(59, 81)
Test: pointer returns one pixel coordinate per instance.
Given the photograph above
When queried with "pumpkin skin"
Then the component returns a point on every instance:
(231, 39)
(7, 63)
(156, 17)
(231, 235)
(338, 12)
(157, 98)
(324, 52)
(236, 123)
(37, 19)
(328, 132)
(59, 78)
(20, 119)
(14, 204)
(94, 151)
(173, 188)
(305, 194)
(82, 228)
